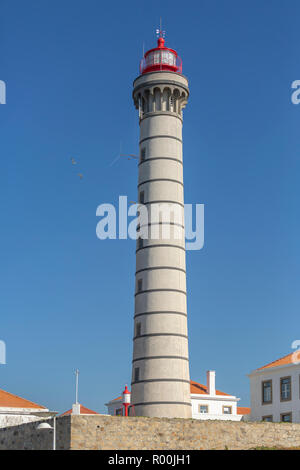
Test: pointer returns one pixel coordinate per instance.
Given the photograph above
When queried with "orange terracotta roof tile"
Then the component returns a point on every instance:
(115, 399)
(285, 360)
(83, 411)
(243, 410)
(202, 389)
(8, 400)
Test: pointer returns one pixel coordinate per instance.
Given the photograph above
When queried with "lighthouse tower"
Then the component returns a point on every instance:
(160, 367)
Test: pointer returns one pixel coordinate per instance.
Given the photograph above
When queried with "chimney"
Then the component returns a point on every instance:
(211, 382)
(76, 409)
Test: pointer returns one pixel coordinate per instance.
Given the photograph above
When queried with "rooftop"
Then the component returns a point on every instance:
(282, 361)
(83, 411)
(9, 400)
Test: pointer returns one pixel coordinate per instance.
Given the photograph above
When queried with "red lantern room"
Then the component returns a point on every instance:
(161, 58)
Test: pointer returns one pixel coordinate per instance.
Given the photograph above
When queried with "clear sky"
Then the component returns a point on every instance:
(67, 298)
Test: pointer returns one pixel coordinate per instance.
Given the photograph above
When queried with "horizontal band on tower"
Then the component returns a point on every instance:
(163, 312)
(161, 403)
(160, 380)
(161, 179)
(161, 113)
(160, 290)
(162, 136)
(160, 357)
(163, 202)
(161, 334)
(160, 267)
(138, 227)
(160, 245)
(161, 158)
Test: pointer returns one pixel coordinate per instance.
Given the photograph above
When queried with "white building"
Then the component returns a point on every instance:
(275, 391)
(207, 403)
(15, 410)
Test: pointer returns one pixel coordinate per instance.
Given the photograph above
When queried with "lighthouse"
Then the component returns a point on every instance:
(160, 368)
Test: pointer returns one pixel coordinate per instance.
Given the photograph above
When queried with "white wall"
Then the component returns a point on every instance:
(215, 407)
(258, 410)
(16, 416)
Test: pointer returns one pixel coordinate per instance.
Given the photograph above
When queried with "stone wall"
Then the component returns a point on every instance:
(113, 432)
(95, 432)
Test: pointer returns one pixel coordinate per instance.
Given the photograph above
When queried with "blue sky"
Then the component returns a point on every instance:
(67, 298)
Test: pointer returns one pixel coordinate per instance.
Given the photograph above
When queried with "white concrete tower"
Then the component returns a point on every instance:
(160, 368)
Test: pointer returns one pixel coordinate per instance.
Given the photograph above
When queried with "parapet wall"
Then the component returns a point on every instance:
(95, 432)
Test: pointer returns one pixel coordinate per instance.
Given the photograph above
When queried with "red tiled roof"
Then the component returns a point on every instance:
(83, 411)
(202, 389)
(13, 401)
(243, 410)
(285, 360)
(115, 399)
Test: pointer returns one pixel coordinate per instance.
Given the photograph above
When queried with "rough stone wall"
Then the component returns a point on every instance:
(27, 437)
(113, 432)
(92, 432)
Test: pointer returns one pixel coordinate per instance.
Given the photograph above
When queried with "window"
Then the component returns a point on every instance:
(286, 417)
(140, 285)
(142, 197)
(136, 374)
(203, 409)
(285, 389)
(141, 243)
(268, 419)
(227, 410)
(138, 329)
(172, 103)
(143, 154)
(266, 392)
(168, 58)
(119, 412)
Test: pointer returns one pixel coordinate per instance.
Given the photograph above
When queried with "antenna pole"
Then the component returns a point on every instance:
(76, 386)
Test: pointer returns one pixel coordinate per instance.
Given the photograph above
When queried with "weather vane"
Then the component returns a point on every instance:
(159, 32)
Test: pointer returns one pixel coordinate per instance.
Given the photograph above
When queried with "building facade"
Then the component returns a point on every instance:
(160, 371)
(207, 403)
(275, 391)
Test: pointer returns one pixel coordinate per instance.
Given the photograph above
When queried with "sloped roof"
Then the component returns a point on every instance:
(200, 389)
(83, 411)
(282, 361)
(9, 400)
(119, 398)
